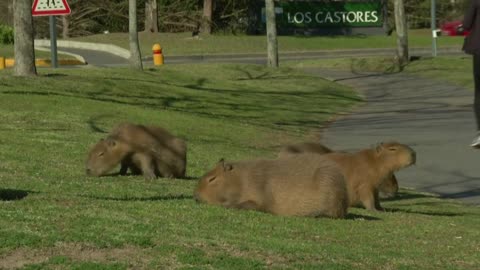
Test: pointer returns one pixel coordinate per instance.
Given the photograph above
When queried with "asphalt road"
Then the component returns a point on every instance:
(432, 116)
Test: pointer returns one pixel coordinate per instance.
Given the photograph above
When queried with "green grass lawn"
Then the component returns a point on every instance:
(455, 69)
(54, 217)
(184, 44)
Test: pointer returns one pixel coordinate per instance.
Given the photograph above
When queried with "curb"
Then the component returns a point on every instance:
(10, 62)
(109, 48)
(76, 56)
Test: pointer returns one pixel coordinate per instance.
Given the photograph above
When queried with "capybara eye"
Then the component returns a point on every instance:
(392, 148)
(101, 154)
(211, 179)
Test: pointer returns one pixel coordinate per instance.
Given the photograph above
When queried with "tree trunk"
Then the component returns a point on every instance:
(207, 16)
(65, 27)
(135, 56)
(23, 27)
(402, 35)
(151, 16)
(272, 45)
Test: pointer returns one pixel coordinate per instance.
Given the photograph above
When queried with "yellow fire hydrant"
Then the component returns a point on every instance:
(157, 55)
(2, 62)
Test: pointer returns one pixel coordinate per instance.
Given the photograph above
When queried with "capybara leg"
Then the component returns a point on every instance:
(370, 200)
(135, 170)
(145, 162)
(164, 171)
(124, 167)
(377, 201)
(248, 205)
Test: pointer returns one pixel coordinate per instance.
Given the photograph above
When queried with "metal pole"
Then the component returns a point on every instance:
(53, 41)
(434, 32)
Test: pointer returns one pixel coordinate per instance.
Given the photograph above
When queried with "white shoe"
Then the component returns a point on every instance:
(476, 142)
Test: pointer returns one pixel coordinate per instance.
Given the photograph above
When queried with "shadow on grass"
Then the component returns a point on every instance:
(362, 217)
(12, 194)
(141, 199)
(117, 174)
(433, 213)
(406, 196)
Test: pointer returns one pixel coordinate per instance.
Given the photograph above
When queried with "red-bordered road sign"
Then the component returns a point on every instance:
(50, 7)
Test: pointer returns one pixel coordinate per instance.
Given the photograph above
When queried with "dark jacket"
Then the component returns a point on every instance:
(471, 22)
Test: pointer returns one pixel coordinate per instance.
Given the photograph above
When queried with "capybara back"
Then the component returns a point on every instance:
(306, 185)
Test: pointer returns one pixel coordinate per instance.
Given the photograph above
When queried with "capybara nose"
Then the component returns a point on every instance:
(88, 171)
(414, 157)
(196, 197)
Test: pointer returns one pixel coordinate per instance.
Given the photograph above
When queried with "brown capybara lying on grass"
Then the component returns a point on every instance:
(307, 185)
(365, 170)
(388, 188)
(149, 150)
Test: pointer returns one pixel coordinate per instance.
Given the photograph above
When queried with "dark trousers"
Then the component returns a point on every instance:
(476, 76)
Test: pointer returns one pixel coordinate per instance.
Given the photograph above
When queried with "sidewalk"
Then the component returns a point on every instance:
(433, 117)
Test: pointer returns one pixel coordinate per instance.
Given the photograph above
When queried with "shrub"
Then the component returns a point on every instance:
(6, 34)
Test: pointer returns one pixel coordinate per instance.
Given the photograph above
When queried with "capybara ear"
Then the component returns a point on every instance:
(379, 148)
(111, 142)
(226, 167)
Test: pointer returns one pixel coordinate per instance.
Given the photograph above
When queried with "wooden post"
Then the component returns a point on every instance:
(135, 56)
(272, 43)
(207, 16)
(402, 34)
(23, 39)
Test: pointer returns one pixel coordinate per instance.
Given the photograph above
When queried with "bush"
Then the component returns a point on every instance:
(6, 34)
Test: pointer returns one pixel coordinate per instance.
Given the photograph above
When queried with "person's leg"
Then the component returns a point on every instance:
(476, 101)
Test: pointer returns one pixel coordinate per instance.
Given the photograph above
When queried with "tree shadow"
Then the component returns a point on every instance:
(92, 122)
(53, 75)
(13, 194)
(141, 199)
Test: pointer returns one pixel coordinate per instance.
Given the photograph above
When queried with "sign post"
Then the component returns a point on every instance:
(51, 8)
(434, 31)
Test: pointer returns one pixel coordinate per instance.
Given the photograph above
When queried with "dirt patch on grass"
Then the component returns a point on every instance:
(134, 257)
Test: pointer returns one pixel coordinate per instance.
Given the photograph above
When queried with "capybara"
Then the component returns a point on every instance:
(149, 150)
(307, 185)
(365, 170)
(388, 188)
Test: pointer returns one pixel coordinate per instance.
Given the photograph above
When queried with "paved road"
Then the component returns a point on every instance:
(434, 117)
(99, 58)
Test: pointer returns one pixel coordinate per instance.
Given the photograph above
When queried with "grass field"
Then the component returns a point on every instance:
(54, 217)
(456, 69)
(184, 44)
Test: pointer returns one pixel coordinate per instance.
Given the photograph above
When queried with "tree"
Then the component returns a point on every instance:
(151, 16)
(207, 16)
(272, 46)
(23, 40)
(402, 35)
(135, 56)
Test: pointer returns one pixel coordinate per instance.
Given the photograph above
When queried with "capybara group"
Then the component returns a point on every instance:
(388, 188)
(307, 185)
(148, 150)
(365, 170)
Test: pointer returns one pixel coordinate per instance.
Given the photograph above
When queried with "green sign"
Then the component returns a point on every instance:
(316, 14)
